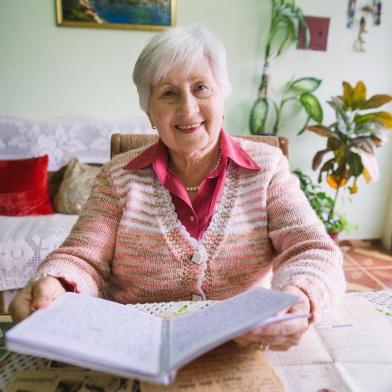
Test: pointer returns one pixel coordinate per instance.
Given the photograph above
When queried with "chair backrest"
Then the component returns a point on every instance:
(121, 142)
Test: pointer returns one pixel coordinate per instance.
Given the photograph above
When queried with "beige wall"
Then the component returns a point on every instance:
(47, 71)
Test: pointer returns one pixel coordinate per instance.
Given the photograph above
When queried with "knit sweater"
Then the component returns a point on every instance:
(129, 246)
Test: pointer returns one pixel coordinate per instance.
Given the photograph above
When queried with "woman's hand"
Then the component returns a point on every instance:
(282, 335)
(36, 295)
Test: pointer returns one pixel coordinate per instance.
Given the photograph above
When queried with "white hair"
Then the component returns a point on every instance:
(183, 46)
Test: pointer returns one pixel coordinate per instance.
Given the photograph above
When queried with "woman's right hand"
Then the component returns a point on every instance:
(36, 295)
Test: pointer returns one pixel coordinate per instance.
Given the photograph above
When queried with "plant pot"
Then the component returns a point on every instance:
(334, 235)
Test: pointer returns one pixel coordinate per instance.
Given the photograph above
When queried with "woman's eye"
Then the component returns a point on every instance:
(201, 87)
(168, 93)
(202, 90)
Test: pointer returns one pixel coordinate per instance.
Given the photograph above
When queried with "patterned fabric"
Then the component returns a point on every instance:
(25, 242)
(129, 246)
(75, 188)
(63, 139)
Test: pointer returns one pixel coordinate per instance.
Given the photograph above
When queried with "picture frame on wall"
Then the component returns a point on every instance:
(117, 14)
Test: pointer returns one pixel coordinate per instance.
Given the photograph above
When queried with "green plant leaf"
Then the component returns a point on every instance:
(258, 116)
(304, 85)
(328, 165)
(282, 34)
(321, 130)
(359, 95)
(369, 163)
(376, 101)
(289, 38)
(277, 3)
(334, 143)
(368, 128)
(384, 118)
(355, 164)
(302, 24)
(312, 106)
(343, 121)
(318, 158)
(364, 143)
(347, 97)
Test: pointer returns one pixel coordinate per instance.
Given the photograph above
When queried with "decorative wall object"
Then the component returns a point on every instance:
(359, 13)
(318, 31)
(116, 14)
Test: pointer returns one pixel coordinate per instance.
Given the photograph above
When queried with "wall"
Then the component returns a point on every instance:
(48, 71)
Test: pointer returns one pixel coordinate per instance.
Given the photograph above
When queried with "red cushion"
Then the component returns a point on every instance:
(24, 187)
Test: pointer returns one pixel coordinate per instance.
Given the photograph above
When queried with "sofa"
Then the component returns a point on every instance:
(26, 240)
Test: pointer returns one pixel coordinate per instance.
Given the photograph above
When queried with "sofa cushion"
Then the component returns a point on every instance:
(24, 187)
(75, 188)
(25, 242)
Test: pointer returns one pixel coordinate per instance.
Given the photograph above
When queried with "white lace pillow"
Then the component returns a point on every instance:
(75, 188)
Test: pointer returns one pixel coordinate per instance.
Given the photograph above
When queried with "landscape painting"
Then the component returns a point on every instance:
(117, 14)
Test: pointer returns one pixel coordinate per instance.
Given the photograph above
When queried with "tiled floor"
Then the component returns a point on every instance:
(367, 266)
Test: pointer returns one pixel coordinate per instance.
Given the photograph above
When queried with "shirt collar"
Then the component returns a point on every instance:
(156, 155)
(230, 148)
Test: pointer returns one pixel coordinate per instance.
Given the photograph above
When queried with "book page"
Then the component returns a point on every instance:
(93, 332)
(228, 368)
(357, 333)
(350, 351)
(194, 333)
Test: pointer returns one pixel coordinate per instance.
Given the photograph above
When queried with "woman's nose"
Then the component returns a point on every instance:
(187, 105)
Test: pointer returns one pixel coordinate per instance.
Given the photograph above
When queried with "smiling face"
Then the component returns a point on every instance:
(187, 109)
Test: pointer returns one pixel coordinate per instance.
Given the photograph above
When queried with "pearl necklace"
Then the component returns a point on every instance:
(196, 188)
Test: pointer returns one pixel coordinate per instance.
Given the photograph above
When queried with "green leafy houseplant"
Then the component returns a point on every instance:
(286, 21)
(322, 204)
(352, 139)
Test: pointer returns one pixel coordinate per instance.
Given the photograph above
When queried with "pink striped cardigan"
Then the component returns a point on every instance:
(129, 246)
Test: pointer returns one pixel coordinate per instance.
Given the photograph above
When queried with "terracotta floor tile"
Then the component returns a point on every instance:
(348, 264)
(368, 259)
(383, 275)
(376, 253)
(361, 280)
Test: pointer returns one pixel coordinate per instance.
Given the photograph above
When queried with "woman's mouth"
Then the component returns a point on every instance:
(189, 128)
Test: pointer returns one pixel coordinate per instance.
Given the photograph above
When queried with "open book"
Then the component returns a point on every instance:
(114, 338)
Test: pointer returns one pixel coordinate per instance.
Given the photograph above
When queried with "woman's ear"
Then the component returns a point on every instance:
(151, 122)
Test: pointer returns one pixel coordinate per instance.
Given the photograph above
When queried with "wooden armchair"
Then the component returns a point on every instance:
(123, 142)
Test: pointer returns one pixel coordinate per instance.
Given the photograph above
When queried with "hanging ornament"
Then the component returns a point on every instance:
(359, 44)
(352, 4)
(368, 10)
(377, 12)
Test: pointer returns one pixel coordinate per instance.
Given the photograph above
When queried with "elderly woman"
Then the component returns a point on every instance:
(199, 214)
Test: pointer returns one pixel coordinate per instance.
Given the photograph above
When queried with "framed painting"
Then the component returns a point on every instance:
(116, 14)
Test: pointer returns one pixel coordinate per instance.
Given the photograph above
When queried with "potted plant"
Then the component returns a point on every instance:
(265, 116)
(322, 205)
(351, 140)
